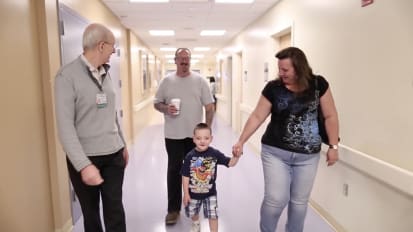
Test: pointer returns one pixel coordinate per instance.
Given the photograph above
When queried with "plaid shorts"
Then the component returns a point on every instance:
(210, 207)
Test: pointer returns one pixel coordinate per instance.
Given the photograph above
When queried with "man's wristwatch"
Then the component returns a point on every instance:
(331, 146)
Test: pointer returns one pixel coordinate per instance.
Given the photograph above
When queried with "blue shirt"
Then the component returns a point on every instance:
(293, 126)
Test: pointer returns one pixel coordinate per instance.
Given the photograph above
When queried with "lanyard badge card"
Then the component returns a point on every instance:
(101, 100)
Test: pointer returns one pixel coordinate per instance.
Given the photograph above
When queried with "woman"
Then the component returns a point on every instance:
(291, 143)
(213, 88)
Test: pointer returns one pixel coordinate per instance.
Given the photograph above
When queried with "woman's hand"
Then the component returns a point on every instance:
(332, 156)
(237, 149)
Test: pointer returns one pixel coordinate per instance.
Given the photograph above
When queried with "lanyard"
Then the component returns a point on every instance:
(106, 67)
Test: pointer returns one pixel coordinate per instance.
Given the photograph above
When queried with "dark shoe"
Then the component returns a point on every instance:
(171, 218)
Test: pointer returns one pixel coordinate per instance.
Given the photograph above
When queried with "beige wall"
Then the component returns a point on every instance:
(364, 57)
(142, 101)
(34, 195)
(26, 192)
(365, 54)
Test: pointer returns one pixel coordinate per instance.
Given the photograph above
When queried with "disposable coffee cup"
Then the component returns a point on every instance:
(177, 103)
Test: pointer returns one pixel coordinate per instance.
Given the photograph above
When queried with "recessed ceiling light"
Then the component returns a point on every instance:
(162, 32)
(202, 49)
(235, 1)
(212, 32)
(197, 56)
(167, 49)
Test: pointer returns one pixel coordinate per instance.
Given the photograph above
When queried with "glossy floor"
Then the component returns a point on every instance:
(240, 189)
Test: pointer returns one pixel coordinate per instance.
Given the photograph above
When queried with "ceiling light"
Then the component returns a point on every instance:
(148, 1)
(162, 32)
(235, 1)
(197, 56)
(165, 49)
(202, 49)
(212, 32)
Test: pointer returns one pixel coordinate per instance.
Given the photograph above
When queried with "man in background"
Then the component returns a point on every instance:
(193, 92)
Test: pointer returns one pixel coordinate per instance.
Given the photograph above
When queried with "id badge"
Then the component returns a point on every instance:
(101, 100)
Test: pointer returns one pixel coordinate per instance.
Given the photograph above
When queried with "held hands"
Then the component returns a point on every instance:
(332, 156)
(91, 175)
(237, 149)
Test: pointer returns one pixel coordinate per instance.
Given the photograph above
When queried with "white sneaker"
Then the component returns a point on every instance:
(196, 226)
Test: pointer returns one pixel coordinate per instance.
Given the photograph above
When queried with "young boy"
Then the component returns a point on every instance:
(199, 172)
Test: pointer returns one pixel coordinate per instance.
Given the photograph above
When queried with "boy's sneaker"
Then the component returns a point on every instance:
(196, 226)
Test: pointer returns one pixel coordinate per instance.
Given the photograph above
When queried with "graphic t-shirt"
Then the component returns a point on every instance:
(201, 168)
(293, 124)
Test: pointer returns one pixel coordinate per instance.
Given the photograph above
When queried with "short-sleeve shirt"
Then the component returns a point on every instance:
(193, 90)
(293, 126)
(201, 168)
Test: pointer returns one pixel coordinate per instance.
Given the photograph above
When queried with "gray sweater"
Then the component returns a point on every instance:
(84, 129)
(194, 93)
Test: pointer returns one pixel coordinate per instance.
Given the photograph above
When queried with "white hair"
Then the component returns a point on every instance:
(95, 33)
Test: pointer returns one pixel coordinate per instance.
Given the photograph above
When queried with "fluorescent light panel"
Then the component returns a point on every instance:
(166, 49)
(212, 32)
(197, 56)
(162, 32)
(202, 49)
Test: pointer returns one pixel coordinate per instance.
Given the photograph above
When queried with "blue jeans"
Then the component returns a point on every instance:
(288, 179)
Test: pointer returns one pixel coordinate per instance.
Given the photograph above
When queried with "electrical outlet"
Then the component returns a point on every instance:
(345, 190)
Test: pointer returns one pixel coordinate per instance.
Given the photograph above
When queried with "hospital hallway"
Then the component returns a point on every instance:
(240, 188)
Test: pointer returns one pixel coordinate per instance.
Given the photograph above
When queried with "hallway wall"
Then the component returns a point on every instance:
(365, 53)
(26, 199)
(35, 183)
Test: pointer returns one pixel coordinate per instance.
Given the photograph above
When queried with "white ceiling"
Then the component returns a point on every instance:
(187, 18)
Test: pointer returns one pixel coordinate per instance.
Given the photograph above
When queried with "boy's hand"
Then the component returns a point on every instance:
(186, 200)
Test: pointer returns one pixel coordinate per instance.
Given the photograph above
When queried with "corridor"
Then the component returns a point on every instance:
(240, 189)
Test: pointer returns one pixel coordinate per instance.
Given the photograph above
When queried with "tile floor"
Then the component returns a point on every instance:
(240, 189)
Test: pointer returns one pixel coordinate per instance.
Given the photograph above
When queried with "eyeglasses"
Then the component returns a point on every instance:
(113, 45)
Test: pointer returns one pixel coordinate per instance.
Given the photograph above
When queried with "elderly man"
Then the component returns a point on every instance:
(90, 133)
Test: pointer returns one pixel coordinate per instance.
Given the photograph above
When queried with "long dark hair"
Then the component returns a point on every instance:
(300, 63)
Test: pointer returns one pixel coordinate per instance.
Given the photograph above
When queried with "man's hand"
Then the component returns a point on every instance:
(91, 175)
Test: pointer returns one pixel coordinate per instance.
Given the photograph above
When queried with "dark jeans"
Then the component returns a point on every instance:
(112, 168)
(177, 150)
